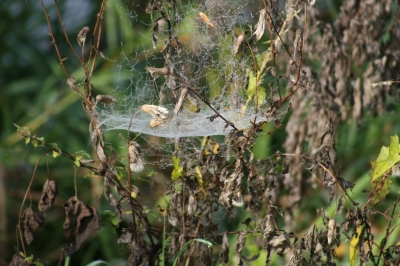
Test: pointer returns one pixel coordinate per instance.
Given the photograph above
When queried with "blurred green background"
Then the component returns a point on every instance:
(34, 94)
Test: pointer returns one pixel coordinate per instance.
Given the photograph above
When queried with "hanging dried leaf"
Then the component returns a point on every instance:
(82, 35)
(179, 104)
(100, 54)
(80, 223)
(71, 84)
(156, 72)
(205, 19)
(126, 237)
(331, 230)
(105, 99)
(157, 29)
(17, 260)
(135, 157)
(224, 254)
(298, 42)
(239, 40)
(32, 221)
(259, 28)
(49, 193)
(281, 243)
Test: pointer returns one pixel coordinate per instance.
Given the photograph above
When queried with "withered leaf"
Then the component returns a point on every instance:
(179, 104)
(224, 254)
(81, 221)
(32, 221)
(281, 243)
(241, 240)
(126, 236)
(49, 193)
(17, 260)
(157, 29)
(260, 26)
(81, 38)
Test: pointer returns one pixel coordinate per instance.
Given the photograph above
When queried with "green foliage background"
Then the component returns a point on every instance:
(33, 93)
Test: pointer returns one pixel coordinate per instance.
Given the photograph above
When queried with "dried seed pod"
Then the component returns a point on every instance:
(331, 230)
(259, 28)
(105, 99)
(205, 19)
(156, 72)
(155, 111)
(238, 43)
(82, 35)
(71, 84)
(156, 122)
(135, 157)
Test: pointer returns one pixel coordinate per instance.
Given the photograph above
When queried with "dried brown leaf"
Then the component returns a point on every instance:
(49, 193)
(135, 157)
(32, 221)
(81, 38)
(80, 223)
(224, 254)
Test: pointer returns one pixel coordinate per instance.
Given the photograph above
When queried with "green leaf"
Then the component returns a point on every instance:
(177, 171)
(109, 216)
(252, 89)
(208, 243)
(388, 157)
(56, 150)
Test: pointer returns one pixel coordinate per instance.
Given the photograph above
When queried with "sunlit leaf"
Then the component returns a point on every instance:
(252, 89)
(388, 157)
(177, 171)
(354, 245)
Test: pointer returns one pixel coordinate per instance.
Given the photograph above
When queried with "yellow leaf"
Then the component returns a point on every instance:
(354, 245)
(199, 177)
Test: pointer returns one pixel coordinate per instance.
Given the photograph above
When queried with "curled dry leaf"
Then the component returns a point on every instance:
(156, 72)
(135, 157)
(281, 243)
(155, 111)
(105, 99)
(192, 205)
(17, 260)
(49, 193)
(237, 44)
(224, 254)
(126, 237)
(156, 122)
(32, 221)
(81, 222)
(331, 230)
(259, 28)
(205, 19)
(71, 84)
(157, 29)
(298, 42)
(82, 35)
(179, 104)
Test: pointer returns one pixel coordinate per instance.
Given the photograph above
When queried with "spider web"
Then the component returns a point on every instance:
(205, 61)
